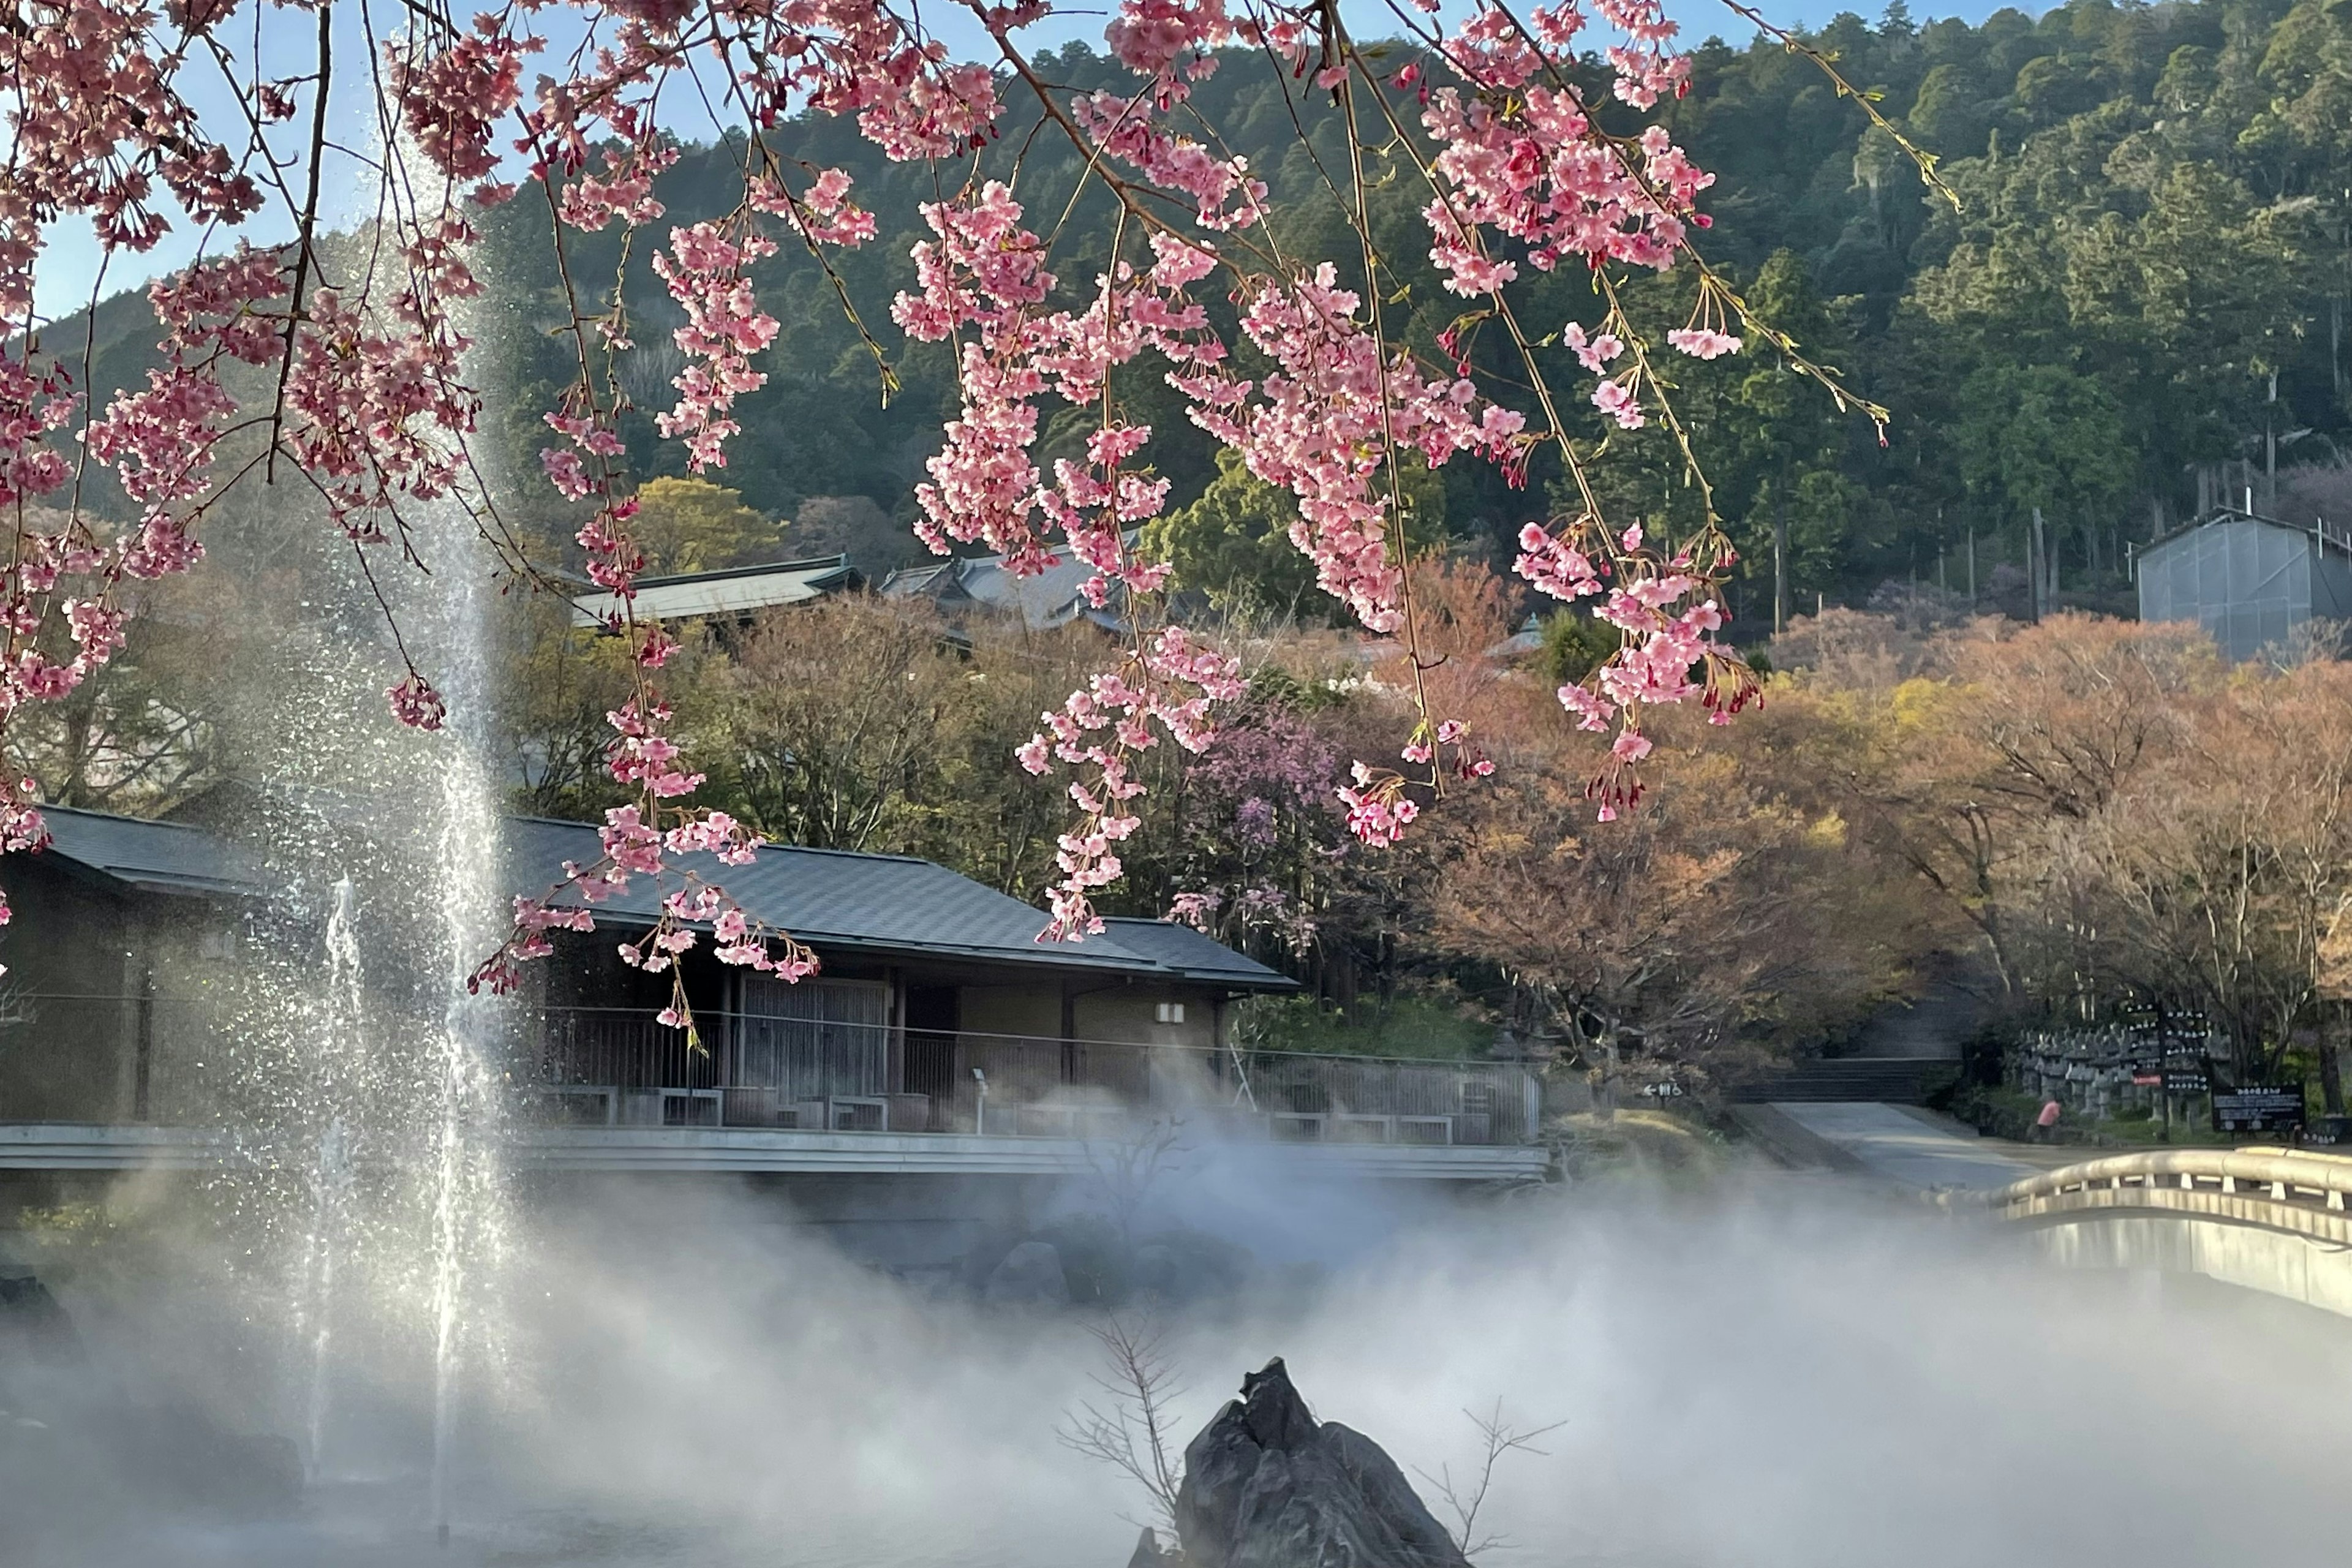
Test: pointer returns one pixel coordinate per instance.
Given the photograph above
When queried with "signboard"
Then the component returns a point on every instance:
(2258, 1107)
(2147, 1078)
(1662, 1091)
(2179, 1081)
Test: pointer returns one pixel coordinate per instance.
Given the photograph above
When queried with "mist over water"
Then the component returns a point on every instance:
(1772, 1370)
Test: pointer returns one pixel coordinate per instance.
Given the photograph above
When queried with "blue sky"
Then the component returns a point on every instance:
(69, 269)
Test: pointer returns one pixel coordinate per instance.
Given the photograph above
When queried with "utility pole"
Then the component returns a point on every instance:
(2270, 448)
(1780, 568)
(2335, 301)
(1972, 566)
(2036, 552)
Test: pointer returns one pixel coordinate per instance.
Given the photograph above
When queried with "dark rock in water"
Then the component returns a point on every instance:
(1094, 1258)
(179, 1452)
(1148, 1554)
(1030, 1276)
(71, 1435)
(1182, 1266)
(32, 1325)
(1268, 1486)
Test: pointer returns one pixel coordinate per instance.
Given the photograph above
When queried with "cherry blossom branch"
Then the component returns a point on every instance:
(373, 408)
(306, 237)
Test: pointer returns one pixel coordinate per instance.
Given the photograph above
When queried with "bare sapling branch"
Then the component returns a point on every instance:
(1465, 1498)
(1132, 1430)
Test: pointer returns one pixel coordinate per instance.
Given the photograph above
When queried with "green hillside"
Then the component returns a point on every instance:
(2152, 238)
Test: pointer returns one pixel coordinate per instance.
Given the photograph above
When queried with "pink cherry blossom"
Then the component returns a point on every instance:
(358, 379)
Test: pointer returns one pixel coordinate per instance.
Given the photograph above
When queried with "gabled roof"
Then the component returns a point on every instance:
(2330, 537)
(1189, 952)
(156, 857)
(896, 904)
(1527, 639)
(831, 899)
(1050, 598)
(735, 592)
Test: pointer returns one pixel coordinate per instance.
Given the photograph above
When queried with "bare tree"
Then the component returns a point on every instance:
(1128, 1168)
(1465, 1499)
(1133, 1435)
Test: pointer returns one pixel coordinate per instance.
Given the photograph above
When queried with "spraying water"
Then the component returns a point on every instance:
(464, 1167)
(468, 867)
(339, 1059)
(333, 1184)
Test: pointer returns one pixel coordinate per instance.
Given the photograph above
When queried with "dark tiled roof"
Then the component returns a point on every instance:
(1187, 952)
(1044, 600)
(875, 903)
(890, 903)
(161, 855)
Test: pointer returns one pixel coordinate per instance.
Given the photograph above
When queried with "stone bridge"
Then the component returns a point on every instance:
(2266, 1219)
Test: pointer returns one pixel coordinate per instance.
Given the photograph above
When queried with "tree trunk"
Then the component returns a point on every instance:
(2331, 1070)
(1780, 568)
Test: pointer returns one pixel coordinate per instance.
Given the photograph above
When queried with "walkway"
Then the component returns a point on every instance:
(1906, 1148)
(75, 1146)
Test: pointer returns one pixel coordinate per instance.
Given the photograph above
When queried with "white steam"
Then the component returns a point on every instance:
(1781, 1371)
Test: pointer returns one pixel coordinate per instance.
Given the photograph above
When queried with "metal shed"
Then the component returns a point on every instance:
(2250, 580)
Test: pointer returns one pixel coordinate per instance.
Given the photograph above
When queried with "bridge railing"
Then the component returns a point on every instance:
(2288, 1176)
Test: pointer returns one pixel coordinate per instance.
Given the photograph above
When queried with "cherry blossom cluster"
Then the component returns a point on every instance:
(1448, 743)
(1520, 169)
(709, 275)
(1098, 732)
(1250, 909)
(1330, 424)
(371, 407)
(96, 129)
(685, 900)
(1665, 614)
(594, 141)
(1378, 810)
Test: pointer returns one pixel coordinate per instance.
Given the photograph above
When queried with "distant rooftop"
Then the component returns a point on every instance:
(1050, 599)
(737, 591)
(2253, 584)
(1527, 639)
(2336, 536)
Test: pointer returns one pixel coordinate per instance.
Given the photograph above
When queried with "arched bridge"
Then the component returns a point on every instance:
(2267, 1219)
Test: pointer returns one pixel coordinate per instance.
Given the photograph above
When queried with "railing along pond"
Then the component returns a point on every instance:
(179, 1062)
(616, 1068)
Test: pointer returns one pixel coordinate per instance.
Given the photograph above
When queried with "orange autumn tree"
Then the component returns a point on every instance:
(1705, 937)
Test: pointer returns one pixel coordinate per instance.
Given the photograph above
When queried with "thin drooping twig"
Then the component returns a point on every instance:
(308, 236)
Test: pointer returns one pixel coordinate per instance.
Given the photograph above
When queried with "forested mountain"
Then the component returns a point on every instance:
(2141, 289)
